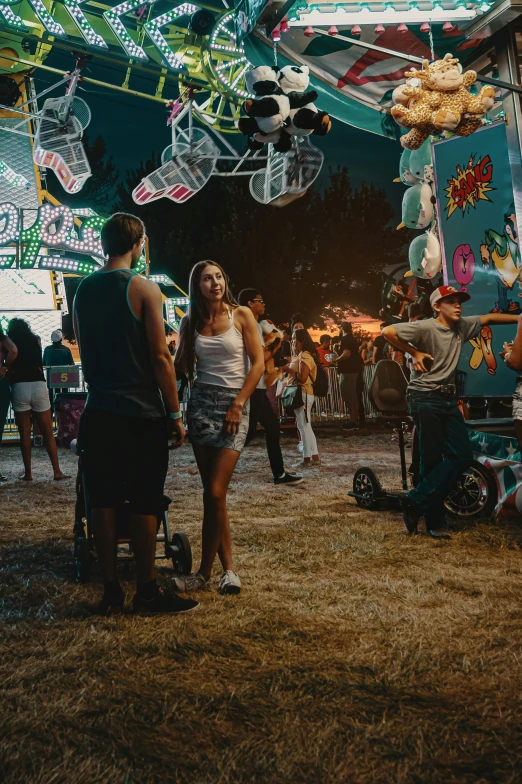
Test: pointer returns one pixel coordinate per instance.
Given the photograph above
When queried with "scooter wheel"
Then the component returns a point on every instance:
(475, 494)
(182, 557)
(367, 489)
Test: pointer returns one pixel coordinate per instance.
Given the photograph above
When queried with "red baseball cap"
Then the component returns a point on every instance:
(447, 291)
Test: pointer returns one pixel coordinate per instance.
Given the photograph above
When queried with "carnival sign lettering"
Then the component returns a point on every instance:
(54, 228)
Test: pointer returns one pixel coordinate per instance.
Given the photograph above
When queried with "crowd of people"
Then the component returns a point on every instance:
(133, 407)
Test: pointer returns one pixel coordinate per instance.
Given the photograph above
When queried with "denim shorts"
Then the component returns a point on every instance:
(207, 407)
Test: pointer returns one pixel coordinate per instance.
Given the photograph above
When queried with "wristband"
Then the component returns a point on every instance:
(175, 415)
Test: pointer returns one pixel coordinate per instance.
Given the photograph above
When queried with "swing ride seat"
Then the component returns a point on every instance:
(189, 169)
(59, 147)
(287, 176)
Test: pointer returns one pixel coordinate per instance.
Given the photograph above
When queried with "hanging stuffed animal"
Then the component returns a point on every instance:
(304, 118)
(424, 256)
(267, 112)
(421, 162)
(441, 102)
(417, 207)
(405, 175)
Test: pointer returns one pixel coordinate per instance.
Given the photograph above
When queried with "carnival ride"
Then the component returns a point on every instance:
(193, 59)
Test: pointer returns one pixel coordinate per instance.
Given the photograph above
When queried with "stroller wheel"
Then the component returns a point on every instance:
(82, 559)
(182, 556)
(367, 489)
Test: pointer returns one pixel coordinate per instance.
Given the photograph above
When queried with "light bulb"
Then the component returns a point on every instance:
(379, 29)
(402, 28)
(332, 30)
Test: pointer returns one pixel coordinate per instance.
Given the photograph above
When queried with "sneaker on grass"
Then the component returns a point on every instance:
(189, 583)
(288, 479)
(165, 601)
(229, 583)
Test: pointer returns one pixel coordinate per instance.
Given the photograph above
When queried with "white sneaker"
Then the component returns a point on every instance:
(229, 582)
(189, 583)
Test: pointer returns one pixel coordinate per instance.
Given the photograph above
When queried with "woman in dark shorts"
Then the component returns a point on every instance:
(220, 341)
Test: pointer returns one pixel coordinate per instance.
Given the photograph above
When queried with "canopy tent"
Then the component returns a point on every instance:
(354, 83)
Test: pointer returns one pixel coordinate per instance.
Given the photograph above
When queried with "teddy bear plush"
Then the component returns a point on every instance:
(441, 102)
(304, 117)
(267, 113)
(272, 343)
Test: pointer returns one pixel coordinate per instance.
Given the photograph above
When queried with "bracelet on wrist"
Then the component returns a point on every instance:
(175, 415)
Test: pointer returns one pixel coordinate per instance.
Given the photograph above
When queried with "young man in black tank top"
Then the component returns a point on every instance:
(132, 408)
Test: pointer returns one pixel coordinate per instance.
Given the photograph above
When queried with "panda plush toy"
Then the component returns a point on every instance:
(304, 118)
(270, 111)
(267, 112)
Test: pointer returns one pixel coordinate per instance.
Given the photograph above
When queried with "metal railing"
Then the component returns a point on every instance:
(329, 408)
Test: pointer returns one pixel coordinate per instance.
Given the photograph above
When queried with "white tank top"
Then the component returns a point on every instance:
(222, 359)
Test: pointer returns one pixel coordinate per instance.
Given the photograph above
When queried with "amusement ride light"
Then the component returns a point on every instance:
(402, 28)
(379, 29)
(332, 30)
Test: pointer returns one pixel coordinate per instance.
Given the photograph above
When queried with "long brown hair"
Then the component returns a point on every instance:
(306, 342)
(195, 316)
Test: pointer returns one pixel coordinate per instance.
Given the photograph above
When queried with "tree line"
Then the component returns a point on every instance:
(321, 255)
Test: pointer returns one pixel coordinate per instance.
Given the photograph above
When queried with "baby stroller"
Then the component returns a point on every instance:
(176, 549)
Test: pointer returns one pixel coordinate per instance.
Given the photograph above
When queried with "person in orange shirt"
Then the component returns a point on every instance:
(324, 350)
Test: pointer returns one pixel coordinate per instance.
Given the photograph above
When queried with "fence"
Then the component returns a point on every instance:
(326, 409)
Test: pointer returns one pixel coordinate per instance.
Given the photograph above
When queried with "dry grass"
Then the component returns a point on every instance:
(354, 654)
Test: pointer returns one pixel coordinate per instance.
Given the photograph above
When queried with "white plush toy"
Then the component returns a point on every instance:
(304, 118)
(268, 112)
(425, 256)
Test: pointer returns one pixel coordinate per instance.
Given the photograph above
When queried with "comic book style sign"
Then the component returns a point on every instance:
(480, 247)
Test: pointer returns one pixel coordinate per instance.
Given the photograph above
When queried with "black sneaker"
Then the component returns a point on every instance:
(112, 604)
(439, 533)
(288, 479)
(410, 515)
(165, 601)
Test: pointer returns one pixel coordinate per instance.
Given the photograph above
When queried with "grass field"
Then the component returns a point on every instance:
(353, 654)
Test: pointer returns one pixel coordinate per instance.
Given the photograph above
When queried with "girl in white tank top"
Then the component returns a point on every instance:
(221, 359)
(217, 412)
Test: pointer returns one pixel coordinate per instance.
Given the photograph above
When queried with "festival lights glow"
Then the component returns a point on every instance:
(18, 180)
(112, 17)
(153, 30)
(85, 28)
(54, 228)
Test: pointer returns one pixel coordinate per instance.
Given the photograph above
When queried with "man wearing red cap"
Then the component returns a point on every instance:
(435, 345)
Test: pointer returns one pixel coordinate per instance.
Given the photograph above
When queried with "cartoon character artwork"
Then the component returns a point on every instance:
(463, 266)
(483, 350)
(501, 254)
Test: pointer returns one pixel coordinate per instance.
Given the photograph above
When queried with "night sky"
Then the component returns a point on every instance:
(133, 128)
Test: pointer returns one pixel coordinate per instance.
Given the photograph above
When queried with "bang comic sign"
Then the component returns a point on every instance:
(480, 247)
(469, 185)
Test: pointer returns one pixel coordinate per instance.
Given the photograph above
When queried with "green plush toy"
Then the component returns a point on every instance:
(421, 162)
(417, 207)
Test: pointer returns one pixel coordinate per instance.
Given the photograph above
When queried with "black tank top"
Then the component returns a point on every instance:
(113, 348)
(28, 365)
